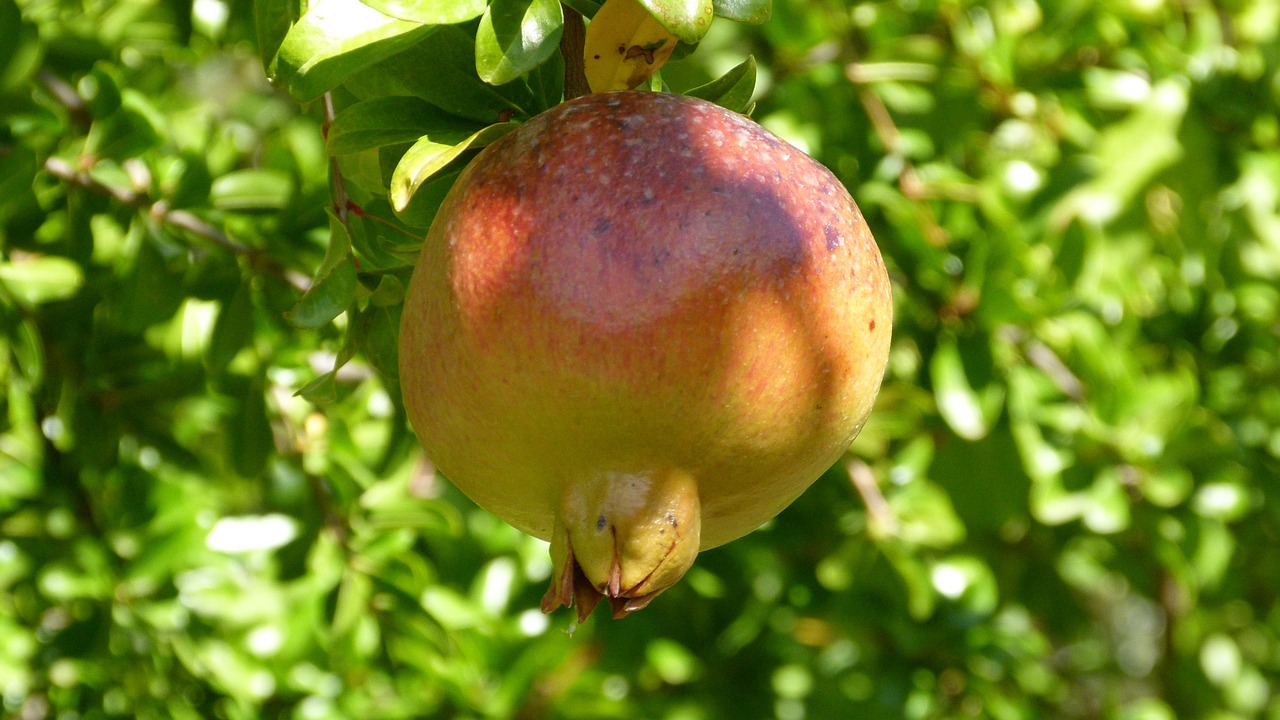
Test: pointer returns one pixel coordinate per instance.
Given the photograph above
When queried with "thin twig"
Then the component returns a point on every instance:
(341, 201)
(880, 518)
(67, 97)
(160, 211)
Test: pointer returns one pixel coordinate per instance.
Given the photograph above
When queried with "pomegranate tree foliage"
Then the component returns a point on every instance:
(1066, 504)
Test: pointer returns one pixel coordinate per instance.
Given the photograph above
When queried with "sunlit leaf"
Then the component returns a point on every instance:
(429, 12)
(688, 20)
(968, 410)
(733, 90)
(516, 36)
(747, 11)
(41, 279)
(430, 155)
(625, 46)
(335, 39)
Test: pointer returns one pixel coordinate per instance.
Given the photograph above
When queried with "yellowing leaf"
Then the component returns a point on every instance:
(624, 46)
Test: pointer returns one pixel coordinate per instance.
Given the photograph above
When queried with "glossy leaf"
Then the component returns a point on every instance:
(430, 155)
(732, 90)
(747, 11)
(688, 20)
(336, 39)
(516, 36)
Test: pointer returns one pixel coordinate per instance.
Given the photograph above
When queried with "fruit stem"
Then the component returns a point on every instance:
(572, 45)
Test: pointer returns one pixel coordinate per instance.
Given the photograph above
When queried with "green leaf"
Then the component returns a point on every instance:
(1128, 155)
(547, 83)
(429, 12)
(254, 189)
(430, 155)
(39, 280)
(320, 391)
(390, 120)
(17, 174)
(421, 211)
(151, 290)
(585, 8)
(733, 90)
(122, 134)
(272, 20)
(251, 438)
(187, 182)
(28, 350)
(753, 12)
(335, 39)
(970, 408)
(968, 582)
(688, 20)
(453, 84)
(516, 36)
(20, 48)
(334, 287)
(232, 331)
(925, 516)
(376, 330)
(100, 92)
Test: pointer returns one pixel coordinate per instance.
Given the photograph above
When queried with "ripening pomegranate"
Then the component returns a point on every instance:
(641, 325)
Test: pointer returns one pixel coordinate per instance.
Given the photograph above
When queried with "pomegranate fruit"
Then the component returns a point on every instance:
(640, 326)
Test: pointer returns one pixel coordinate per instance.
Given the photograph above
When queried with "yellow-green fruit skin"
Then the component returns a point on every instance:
(643, 285)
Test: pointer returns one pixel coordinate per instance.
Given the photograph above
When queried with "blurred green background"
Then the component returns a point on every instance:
(1073, 471)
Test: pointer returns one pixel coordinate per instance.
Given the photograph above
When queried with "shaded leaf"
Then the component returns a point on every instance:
(272, 20)
(453, 84)
(252, 441)
(334, 287)
(586, 8)
(122, 134)
(390, 120)
(232, 331)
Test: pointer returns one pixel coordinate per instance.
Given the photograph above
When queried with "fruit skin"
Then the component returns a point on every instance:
(641, 317)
